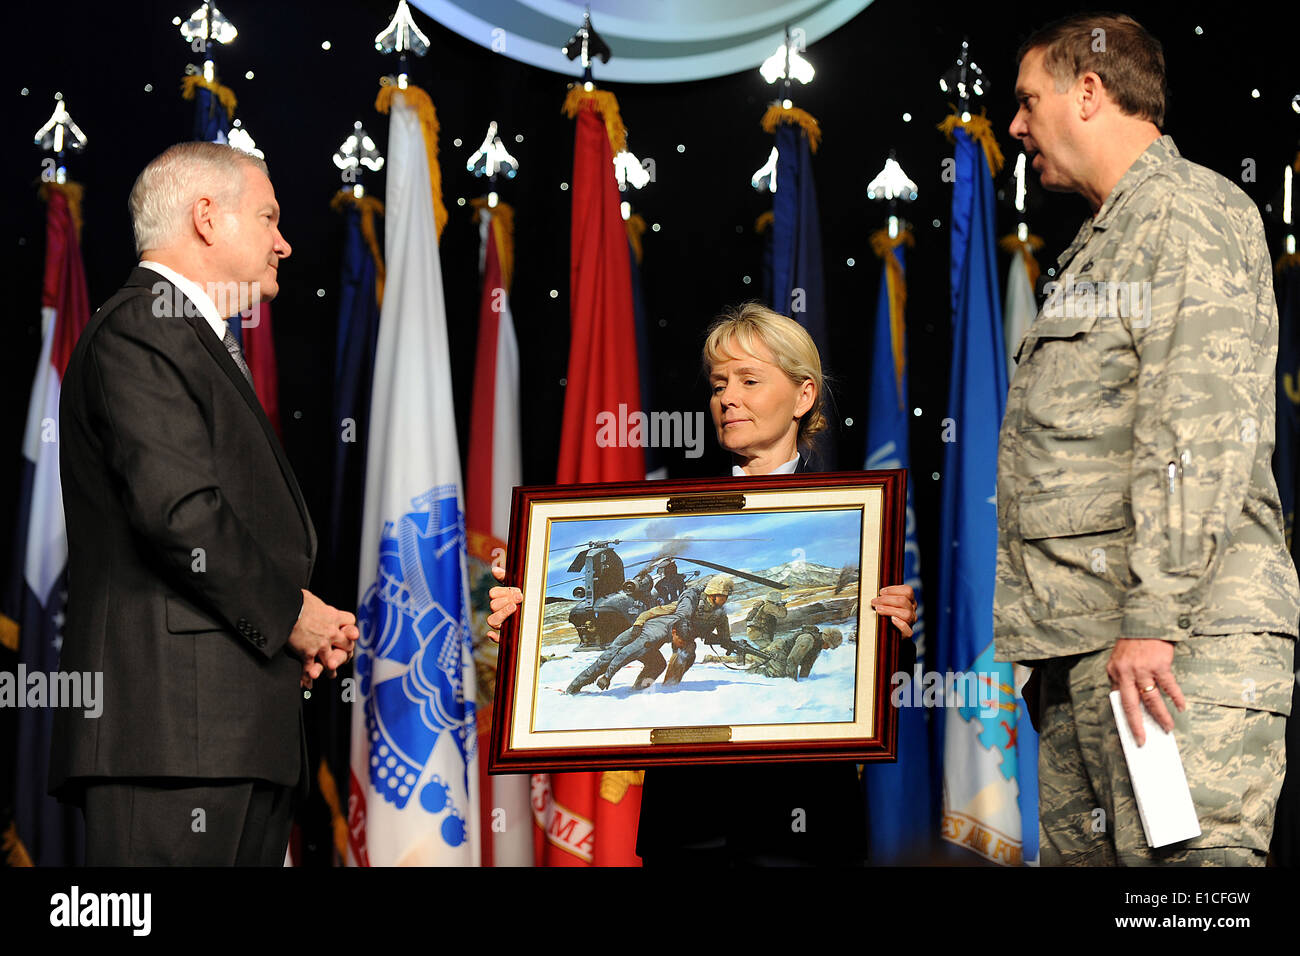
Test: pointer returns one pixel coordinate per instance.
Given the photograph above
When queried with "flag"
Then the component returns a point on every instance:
(413, 787)
(1021, 305)
(982, 738)
(655, 465)
(797, 281)
(214, 108)
(37, 595)
(495, 467)
(591, 818)
(898, 794)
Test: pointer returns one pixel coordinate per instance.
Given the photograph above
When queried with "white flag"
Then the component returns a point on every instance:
(1021, 308)
(413, 794)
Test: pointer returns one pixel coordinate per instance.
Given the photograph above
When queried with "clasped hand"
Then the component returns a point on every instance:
(323, 638)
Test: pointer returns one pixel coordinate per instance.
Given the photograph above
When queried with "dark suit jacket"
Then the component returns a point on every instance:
(750, 810)
(188, 543)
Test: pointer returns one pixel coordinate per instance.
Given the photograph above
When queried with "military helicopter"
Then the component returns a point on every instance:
(608, 602)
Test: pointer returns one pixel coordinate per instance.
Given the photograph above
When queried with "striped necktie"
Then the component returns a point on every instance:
(232, 346)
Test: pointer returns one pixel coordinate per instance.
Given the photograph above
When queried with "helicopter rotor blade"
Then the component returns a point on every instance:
(577, 562)
(743, 574)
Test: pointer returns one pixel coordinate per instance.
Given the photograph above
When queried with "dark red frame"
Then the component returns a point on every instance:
(883, 747)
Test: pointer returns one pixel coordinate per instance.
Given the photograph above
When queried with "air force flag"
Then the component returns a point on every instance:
(413, 794)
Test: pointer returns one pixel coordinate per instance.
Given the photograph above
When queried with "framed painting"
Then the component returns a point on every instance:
(719, 621)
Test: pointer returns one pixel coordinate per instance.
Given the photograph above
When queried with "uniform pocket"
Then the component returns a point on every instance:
(1062, 376)
(185, 618)
(1076, 550)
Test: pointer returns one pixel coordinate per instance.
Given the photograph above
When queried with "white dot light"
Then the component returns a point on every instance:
(849, 262)
(745, 279)
(655, 227)
(519, 137)
(460, 200)
(564, 187)
(848, 423)
(916, 412)
(555, 293)
(325, 45)
(1254, 94)
(148, 88)
(934, 475)
(320, 293)
(1198, 31)
(248, 75)
(935, 223)
(456, 141)
(907, 117)
(681, 148)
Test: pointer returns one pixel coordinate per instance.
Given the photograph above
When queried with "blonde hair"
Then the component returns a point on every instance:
(165, 192)
(793, 352)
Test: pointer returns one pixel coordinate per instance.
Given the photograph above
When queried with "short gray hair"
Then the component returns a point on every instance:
(165, 192)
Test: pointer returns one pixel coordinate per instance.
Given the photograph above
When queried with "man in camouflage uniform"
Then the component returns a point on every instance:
(761, 624)
(701, 609)
(794, 655)
(1140, 535)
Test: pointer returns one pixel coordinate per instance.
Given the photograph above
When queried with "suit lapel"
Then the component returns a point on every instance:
(207, 337)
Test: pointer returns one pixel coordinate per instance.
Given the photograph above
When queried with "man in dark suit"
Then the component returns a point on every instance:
(190, 546)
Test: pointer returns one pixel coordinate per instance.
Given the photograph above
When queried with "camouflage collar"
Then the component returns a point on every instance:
(1160, 151)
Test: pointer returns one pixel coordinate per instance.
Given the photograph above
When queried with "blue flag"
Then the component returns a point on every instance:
(797, 279)
(980, 737)
(898, 794)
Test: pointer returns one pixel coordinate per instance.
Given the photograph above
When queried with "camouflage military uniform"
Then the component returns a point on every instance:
(1136, 500)
(794, 655)
(762, 621)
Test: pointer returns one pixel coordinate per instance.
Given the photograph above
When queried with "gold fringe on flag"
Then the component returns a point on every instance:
(635, 230)
(8, 633)
(776, 113)
(369, 207)
(979, 129)
(12, 850)
(883, 245)
(603, 102)
(419, 100)
(764, 222)
(1012, 244)
(503, 234)
(191, 83)
(1287, 261)
(329, 790)
(72, 192)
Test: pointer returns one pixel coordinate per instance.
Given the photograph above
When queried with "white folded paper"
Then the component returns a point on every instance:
(1159, 783)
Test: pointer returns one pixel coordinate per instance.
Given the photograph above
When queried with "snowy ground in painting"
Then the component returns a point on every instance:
(710, 693)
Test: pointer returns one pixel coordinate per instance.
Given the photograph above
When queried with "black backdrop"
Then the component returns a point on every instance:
(303, 100)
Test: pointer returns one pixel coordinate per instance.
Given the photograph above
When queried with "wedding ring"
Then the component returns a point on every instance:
(1149, 688)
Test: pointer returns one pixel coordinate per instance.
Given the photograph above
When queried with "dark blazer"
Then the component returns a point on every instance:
(750, 810)
(188, 544)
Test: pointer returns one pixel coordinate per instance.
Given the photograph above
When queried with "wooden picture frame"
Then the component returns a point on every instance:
(591, 559)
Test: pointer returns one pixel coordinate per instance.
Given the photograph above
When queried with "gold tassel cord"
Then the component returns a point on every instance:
(606, 104)
(329, 790)
(635, 230)
(503, 234)
(1288, 261)
(883, 245)
(764, 222)
(1012, 244)
(72, 192)
(190, 87)
(980, 130)
(12, 849)
(419, 100)
(776, 113)
(8, 633)
(369, 207)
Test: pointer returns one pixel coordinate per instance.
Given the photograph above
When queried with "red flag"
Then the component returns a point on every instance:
(259, 353)
(494, 469)
(602, 347)
(591, 818)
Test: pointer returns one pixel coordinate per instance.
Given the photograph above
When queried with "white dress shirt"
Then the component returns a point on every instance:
(788, 468)
(194, 292)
